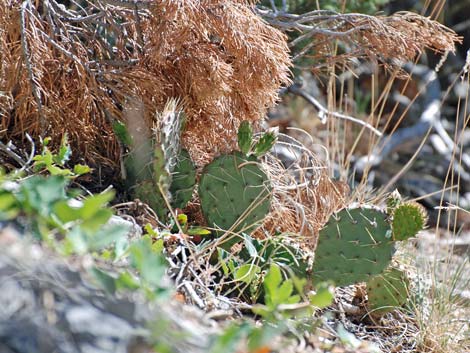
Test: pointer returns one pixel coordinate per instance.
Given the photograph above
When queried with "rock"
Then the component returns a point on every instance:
(47, 306)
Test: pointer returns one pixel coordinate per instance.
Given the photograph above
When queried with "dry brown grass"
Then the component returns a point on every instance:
(328, 38)
(219, 58)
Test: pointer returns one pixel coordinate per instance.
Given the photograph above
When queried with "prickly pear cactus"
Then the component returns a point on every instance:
(408, 219)
(152, 159)
(387, 291)
(354, 245)
(183, 180)
(235, 194)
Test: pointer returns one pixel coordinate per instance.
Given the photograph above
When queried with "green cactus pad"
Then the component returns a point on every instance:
(183, 180)
(408, 219)
(234, 192)
(245, 137)
(387, 291)
(264, 144)
(354, 245)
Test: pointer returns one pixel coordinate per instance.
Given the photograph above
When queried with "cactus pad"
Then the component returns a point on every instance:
(387, 291)
(235, 194)
(408, 219)
(354, 245)
(245, 137)
(183, 180)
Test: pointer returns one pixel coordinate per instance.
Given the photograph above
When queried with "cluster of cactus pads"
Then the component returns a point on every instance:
(356, 245)
(234, 191)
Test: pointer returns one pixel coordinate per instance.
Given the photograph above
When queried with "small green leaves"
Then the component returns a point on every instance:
(54, 163)
(245, 137)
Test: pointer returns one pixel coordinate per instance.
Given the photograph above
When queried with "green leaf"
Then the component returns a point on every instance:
(105, 280)
(283, 294)
(248, 241)
(46, 141)
(66, 213)
(106, 236)
(41, 193)
(158, 246)
(247, 273)
(198, 231)
(150, 231)
(150, 265)
(76, 242)
(80, 169)
(98, 219)
(323, 297)
(54, 170)
(182, 220)
(127, 281)
(93, 204)
(9, 207)
(64, 152)
(272, 280)
(228, 341)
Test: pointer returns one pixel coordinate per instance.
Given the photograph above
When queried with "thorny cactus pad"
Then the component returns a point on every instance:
(387, 291)
(235, 194)
(183, 180)
(245, 137)
(354, 245)
(408, 219)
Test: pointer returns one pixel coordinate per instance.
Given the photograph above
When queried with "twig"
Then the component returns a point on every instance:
(193, 294)
(31, 154)
(323, 112)
(12, 154)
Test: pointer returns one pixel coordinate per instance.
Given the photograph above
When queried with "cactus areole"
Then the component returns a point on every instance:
(235, 195)
(354, 245)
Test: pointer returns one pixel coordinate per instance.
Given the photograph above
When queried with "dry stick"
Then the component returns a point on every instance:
(297, 90)
(26, 56)
(426, 122)
(130, 4)
(12, 154)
